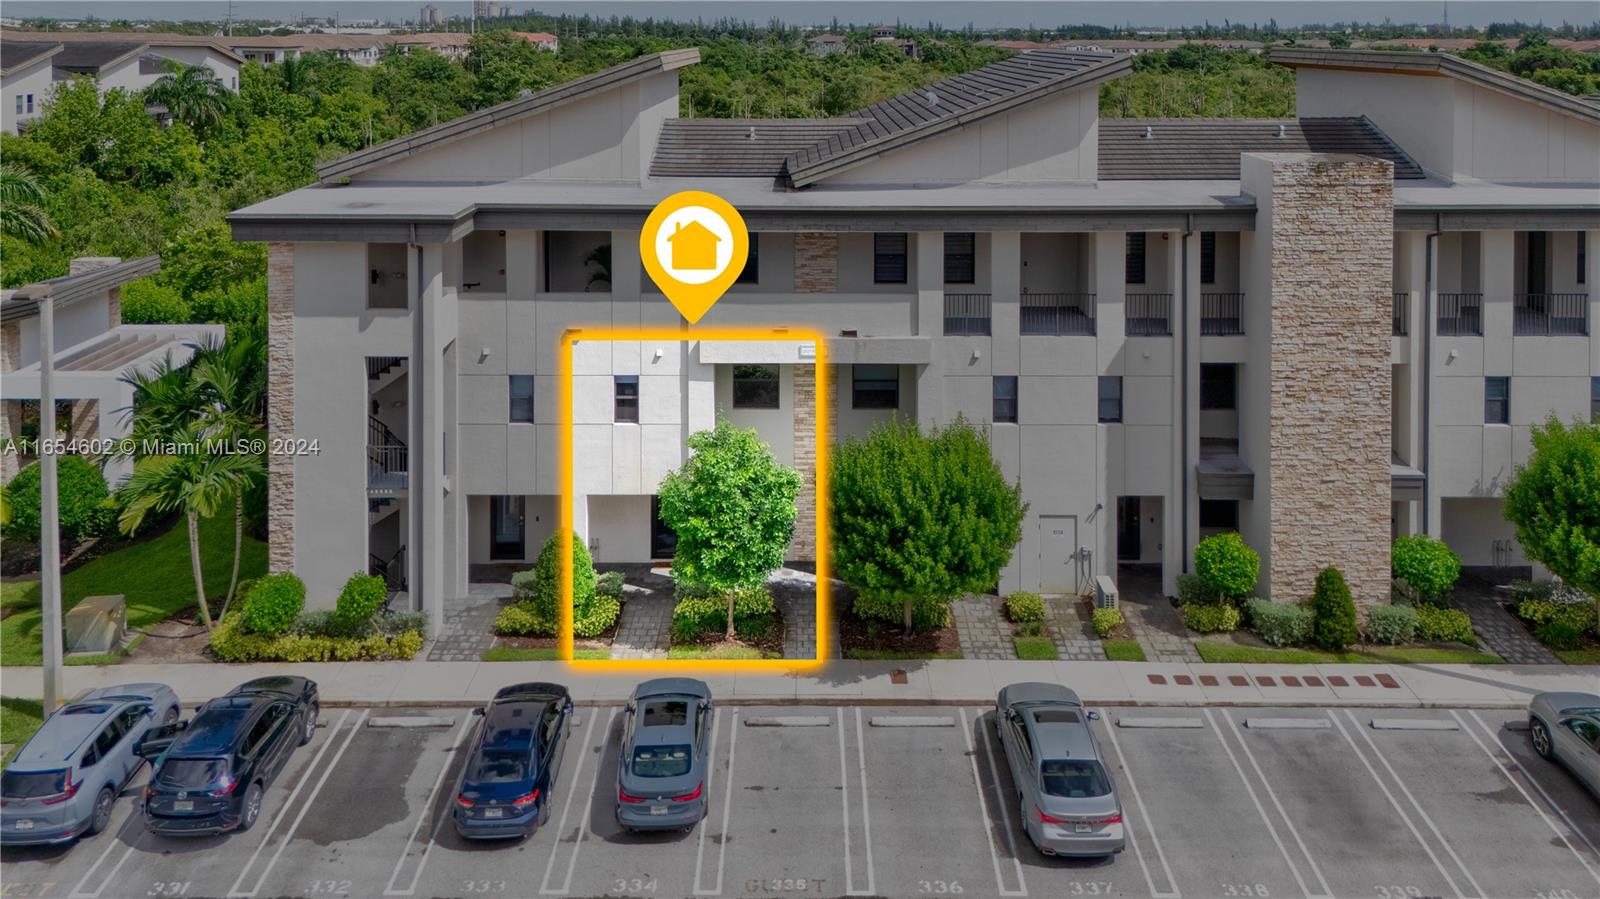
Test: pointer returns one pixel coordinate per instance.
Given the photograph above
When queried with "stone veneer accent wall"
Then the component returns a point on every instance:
(803, 547)
(816, 262)
(1332, 233)
(280, 405)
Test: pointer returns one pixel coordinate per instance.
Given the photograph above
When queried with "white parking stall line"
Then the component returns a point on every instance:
(1500, 764)
(566, 808)
(1149, 826)
(866, 810)
(1398, 810)
(983, 806)
(427, 809)
(844, 804)
(711, 773)
(588, 809)
(1277, 804)
(1427, 819)
(727, 808)
(305, 806)
(1261, 810)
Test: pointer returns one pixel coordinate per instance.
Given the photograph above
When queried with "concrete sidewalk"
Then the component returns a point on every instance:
(931, 682)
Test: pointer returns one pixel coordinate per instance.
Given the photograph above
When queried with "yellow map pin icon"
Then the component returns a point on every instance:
(694, 245)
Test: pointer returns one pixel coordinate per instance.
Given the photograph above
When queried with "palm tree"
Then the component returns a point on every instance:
(294, 74)
(197, 478)
(193, 95)
(22, 212)
(233, 382)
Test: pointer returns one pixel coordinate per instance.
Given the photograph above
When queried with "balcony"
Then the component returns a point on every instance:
(1402, 313)
(1058, 314)
(1221, 314)
(1551, 315)
(966, 315)
(1460, 315)
(1148, 314)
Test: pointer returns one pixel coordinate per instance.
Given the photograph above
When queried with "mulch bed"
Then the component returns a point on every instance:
(770, 642)
(882, 636)
(551, 642)
(179, 638)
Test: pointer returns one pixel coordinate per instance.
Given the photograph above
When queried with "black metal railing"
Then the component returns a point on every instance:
(378, 366)
(1221, 314)
(1460, 315)
(387, 457)
(1551, 314)
(1402, 313)
(966, 314)
(1148, 314)
(392, 569)
(1058, 314)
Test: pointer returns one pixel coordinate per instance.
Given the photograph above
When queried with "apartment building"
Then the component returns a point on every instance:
(1320, 331)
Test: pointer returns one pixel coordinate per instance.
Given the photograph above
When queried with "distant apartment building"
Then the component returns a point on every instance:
(544, 40)
(825, 44)
(1321, 331)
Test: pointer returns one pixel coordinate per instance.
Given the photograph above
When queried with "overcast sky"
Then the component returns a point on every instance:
(980, 13)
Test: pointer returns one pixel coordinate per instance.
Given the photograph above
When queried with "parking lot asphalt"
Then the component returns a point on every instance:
(850, 801)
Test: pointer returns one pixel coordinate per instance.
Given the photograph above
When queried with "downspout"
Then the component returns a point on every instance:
(1183, 413)
(1427, 361)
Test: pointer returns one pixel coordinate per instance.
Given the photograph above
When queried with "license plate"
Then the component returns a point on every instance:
(183, 805)
(494, 813)
(658, 810)
(24, 824)
(1081, 828)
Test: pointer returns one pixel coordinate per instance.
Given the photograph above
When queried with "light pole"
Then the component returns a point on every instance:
(49, 510)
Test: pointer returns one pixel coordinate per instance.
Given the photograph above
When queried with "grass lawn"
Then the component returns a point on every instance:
(1035, 649)
(889, 655)
(1578, 656)
(540, 654)
(19, 718)
(719, 651)
(1213, 651)
(1123, 650)
(154, 575)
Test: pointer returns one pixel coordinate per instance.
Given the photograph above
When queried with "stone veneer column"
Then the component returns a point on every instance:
(1330, 223)
(816, 262)
(803, 546)
(280, 405)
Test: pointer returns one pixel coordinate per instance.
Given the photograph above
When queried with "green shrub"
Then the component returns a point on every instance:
(1211, 618)
(542, 586)
(755, 628)
(145, 302)
(363, 595)
(598, 618)
(1436, 624)
(925, 614)
(86, 507)
(1280, 623)
(1106, 621)
(232, 641)
(1023, 606)
(1391, 624)
(1030, 629)
(703, 611)
(1226, 565)
(1426, 565)
(1192, 591)
(273, 604)
(609, 584)
(520, 620)
(1334, 612)
(1542, 603)
(1560, 633)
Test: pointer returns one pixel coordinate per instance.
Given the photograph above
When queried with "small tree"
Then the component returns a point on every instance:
(919, 519)
(1226, 565)
(733, 509)
(1428, 566)
(1334, 611)
(1554, 502)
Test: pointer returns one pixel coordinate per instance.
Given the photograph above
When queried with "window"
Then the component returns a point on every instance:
(875, 387)
(1219, 386)
(1076, 778)
(132, 715)
(19, 104)
(1005, 399)
(960, 258)
(661, 761)
(755, 387)
(108, 738)
(751, 273)
(522, 398)
(1497, 401)
(258, 736)
(889, 259)
(1583, 257)
(1208, 257)
(30, 103)
(1110, 399)
(1133, 257)
(627, 398)
(1219, 513)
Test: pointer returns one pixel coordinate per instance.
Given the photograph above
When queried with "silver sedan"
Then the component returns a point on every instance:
(1068, 801)
(1565, 727)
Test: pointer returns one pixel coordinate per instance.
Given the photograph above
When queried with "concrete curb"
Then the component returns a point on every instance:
(1175, 723)
(911, 721)
(411, 721)
(985, 704)
(1414, 724)
(1287, 723)
(787, 721)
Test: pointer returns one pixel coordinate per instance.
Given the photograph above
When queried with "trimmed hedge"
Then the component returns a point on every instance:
(363, 595)
(233, 642)
(1023, 606)
(1106, 622)
(1226, 566)
(1279, 623)
(1211, 618)
(598, 618)
(1334, 611)
(926, 614)
(1426, 565)
(273, 604)
(1391, 624)
(701, 610)
(86, 507)
(1440, 625)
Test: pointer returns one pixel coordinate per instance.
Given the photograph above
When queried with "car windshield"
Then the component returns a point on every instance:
(498, 766)
(192, 774)
(32, 784)
(661, 761)
(1074, 778)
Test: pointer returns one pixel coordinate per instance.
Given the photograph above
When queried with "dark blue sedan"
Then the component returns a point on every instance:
(513, 762)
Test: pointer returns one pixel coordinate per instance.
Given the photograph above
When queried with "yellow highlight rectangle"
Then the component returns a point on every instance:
(568, 496)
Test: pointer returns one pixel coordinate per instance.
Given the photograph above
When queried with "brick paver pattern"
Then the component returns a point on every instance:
(469, 624)
(1071, 630)
(983, 630)
(1500, 631)
(1156, 623)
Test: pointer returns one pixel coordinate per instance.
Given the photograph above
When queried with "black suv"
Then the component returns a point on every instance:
(208, 774)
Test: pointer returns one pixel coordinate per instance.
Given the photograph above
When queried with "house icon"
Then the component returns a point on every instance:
(694, 247)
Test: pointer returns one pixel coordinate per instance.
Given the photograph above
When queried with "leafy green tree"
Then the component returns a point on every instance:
(733, 509)
(1428, 566)
(22, 214)
(1226, 565)
(1333, 611)
(504, 65)
(1554, 502)
(919, 519)
(192, 94)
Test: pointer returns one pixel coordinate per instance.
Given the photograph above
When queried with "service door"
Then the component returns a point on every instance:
(1058, 554)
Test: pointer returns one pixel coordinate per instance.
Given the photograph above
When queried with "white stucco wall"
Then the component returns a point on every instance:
(35, 80)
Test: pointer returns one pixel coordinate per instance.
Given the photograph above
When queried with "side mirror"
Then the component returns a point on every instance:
(1094, 716)
(157, 741)
(478, 711)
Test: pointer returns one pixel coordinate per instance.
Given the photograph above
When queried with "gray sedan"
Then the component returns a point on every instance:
(1565, 727)
(1067, 799)
(666, 744)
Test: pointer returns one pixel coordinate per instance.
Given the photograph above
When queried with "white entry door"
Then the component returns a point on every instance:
(1058, 554)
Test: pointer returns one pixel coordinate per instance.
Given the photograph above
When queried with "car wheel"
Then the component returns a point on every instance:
(1541, 739)
(171, 717)
(100, 818)
(311, 725)
(252, 808)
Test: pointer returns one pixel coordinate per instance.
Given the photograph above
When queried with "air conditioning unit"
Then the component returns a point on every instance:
(1105, 592)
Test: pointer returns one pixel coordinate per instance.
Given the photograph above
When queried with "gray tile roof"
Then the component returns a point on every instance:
(738, 148)
(90, 56)
(16, 54)
(952, 103)
(1208, 149)
(23, 302)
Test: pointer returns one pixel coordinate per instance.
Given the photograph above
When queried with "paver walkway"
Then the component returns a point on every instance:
(1156, 623)
(1500, 631)
(982, 628)
(644, 630)
(469, 624)
(1071, 630)
(795, 594)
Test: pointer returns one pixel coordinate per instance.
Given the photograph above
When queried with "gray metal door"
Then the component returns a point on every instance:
(1058, 554)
